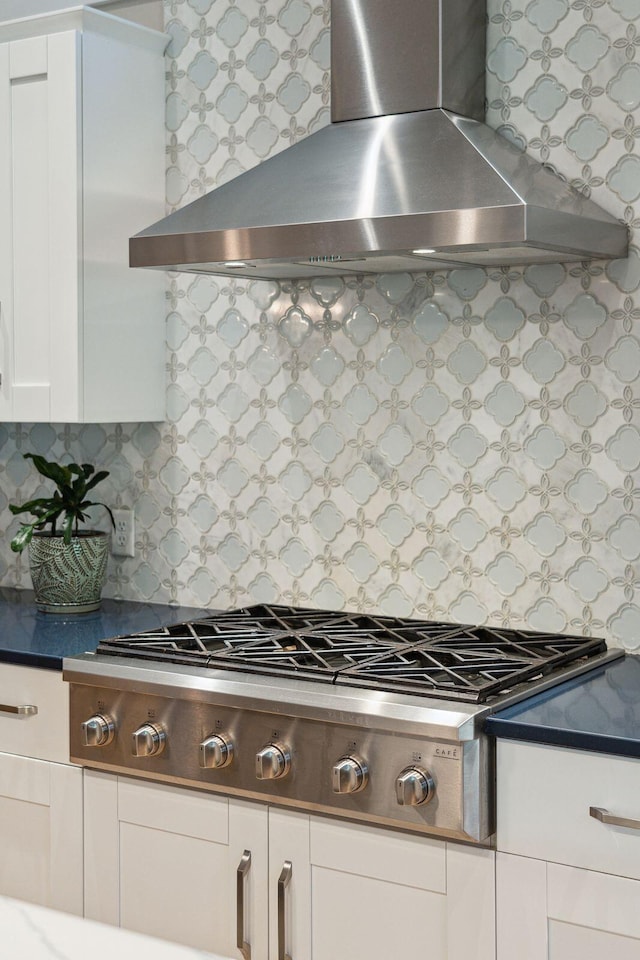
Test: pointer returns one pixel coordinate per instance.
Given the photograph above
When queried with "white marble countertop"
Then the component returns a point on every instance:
(37, 933)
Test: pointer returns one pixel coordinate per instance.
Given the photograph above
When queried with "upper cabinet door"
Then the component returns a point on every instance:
(6, 233)
(81, 170)
(42, 128)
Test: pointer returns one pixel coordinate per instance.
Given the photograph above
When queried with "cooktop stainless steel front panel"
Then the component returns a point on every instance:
(458, 809)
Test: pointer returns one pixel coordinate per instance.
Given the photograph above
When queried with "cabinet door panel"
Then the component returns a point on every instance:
(67, 821)
(29, 139)
(397, 858)
(547, 911)
(64, 51)
(101, 847)
(44, 202)
(357, 916)
(28, 58)
(45, 734)
(471, 903)
(71, 310)
(174, 864)
(567, 942)
(521, 908)
(122, 192)
(249, 832)
(289, 843)
(40, 243)
(158, 861)
(174, 810)
(25, 863)
(41, 832)
(24, 779)
(174, 886)
(564, 832)
(6, 245)
(596, 900)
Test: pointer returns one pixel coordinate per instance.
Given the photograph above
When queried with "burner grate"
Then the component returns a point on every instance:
(427, 658)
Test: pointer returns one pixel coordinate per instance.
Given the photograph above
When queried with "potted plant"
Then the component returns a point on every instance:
(68, 565)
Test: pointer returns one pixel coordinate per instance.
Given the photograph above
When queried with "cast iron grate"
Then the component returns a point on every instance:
(425, 658)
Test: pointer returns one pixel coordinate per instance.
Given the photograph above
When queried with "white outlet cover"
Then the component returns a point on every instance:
(123, 537)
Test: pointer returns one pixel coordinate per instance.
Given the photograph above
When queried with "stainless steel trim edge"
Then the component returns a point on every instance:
(403, 714)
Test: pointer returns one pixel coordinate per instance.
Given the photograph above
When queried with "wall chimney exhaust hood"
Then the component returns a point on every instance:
(406, 177)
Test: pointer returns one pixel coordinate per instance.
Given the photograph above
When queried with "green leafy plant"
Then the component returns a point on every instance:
(74, 481)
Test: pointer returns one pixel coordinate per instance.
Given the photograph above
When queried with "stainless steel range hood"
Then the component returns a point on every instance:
(405, 178)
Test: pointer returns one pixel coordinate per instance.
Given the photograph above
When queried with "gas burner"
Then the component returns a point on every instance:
(424, 658)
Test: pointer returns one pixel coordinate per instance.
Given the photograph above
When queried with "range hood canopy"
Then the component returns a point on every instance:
(406, 177)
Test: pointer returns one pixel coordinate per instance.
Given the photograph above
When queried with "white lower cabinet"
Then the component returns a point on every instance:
(41, 832)
(162, 860)
(379, 895)
(547, 911)
(165, 861)
(41, 803)
(567, 884)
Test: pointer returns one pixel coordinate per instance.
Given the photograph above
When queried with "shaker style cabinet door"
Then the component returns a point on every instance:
(170, 862)
(244, 880)
(547, 911)
(289, 885)
(348, 890)
(39, 247)
(41, 811)
(81, 169)
(41, 832)
(567, 882)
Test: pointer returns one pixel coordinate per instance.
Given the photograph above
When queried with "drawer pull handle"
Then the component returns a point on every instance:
(283, 883)
(598, 813)
(243, 869)
(22, 710)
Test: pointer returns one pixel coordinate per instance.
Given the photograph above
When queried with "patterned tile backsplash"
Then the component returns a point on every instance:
(459, 445)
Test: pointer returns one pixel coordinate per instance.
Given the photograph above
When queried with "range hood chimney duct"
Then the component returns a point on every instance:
(406, 177)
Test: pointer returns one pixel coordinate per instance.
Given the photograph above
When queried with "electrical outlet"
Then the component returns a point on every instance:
(123, 538)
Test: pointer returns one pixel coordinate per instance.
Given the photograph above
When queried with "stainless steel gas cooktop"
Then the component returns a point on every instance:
(374, 719)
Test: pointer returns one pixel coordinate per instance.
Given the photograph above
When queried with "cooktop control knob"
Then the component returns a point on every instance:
(414, 785)
(148, 740)
(349, 775)
(273, 761)
(216, 752)
(98, 731)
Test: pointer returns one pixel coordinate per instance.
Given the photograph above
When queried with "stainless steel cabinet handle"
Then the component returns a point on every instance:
(598, 813)
(283, 883)
(22, 710)
(243, 869)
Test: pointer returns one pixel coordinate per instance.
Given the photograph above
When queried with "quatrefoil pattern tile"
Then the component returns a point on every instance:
(459, 445)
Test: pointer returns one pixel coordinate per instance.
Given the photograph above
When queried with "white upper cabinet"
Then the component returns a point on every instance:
(81, 170)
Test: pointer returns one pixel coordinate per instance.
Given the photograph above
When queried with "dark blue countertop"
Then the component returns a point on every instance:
(42, 639)
(598, 712)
